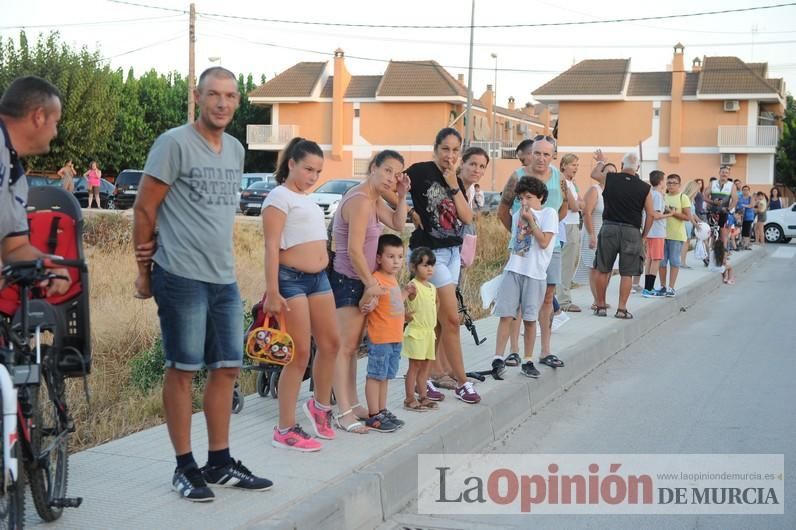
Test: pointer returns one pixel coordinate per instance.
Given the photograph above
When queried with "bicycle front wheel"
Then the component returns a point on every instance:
(12, 500)
(48, 469)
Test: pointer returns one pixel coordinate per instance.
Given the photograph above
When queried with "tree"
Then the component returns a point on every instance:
(249, 114)
(786, 150)
(89, 105)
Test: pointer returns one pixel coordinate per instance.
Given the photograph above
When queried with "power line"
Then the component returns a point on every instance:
(152, 45)
(95, 23)
(545, 46)
(678, 30)
(484, 26)
(450, 67)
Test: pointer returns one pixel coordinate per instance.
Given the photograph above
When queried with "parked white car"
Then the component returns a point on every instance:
(781, 225)
(328, 194)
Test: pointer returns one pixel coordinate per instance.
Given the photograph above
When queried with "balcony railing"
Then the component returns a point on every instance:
(270, 135)
(746, 137)
(497, 149)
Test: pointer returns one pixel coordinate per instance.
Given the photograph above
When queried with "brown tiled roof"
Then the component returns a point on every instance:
(297, 81)
(730, 75)
(418, 79)
(760, 69)
(691, 83)
(593, 77)
(516, 113)
(361, 86)
(650, 84)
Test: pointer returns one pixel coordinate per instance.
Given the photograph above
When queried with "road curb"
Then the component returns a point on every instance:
(382, 488)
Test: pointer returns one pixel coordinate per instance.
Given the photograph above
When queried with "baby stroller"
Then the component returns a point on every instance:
(56, 227)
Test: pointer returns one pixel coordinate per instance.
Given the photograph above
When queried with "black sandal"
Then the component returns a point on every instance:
(552, 361)
(601, 311)
(623, 314)
(513, 359)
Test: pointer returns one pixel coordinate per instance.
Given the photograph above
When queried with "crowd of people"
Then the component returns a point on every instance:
(188, 267)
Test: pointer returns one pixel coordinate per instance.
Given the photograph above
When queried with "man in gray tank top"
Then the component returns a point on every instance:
(189, 189)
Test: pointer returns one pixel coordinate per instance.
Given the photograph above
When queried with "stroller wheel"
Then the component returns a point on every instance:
(273, 385)
(262, 383)
(237, 401)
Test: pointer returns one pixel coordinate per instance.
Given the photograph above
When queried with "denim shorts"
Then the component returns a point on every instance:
(447, 268)
(293, 283)
(201, 323)
(347, 291)
(671, 253)
(383, 360)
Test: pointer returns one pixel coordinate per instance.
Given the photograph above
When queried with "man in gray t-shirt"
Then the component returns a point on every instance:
(189, 187)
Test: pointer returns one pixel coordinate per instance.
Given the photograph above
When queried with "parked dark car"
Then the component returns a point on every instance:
(251, 200)
(35, 181)
(127, 188)
(491, 202)
(247, 179)
(107, 199)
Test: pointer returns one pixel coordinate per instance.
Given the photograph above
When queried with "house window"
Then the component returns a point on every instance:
(356, 113)
(361, 167)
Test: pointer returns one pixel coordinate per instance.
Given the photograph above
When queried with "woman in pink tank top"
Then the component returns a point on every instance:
(93, 176)
(356, 229)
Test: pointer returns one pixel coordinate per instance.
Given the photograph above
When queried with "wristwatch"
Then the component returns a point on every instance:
(454, 191)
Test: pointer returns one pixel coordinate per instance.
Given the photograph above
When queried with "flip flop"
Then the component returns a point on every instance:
(623, 314)
(415, 406)
(552, 361)
(428, 404)
(513, 359)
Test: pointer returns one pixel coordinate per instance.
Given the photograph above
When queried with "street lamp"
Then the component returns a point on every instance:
(215, 60)
(494, 124)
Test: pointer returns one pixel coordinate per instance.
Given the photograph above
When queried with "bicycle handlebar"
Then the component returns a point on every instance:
(32, 271)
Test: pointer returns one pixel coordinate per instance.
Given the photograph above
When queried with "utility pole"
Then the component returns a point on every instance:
(468, 122)
(191, 72)
(495, 154)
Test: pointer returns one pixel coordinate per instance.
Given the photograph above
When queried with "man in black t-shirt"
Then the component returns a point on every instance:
(625, 197)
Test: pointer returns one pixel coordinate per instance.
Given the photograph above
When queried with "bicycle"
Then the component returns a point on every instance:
(36, 423)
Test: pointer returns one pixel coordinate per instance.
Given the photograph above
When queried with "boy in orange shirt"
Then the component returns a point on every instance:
(385, 334)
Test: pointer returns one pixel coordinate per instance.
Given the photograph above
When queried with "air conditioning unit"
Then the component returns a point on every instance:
(732, 105)
(727, 159)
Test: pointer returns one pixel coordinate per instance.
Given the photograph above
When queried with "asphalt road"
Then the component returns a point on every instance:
(718, 378)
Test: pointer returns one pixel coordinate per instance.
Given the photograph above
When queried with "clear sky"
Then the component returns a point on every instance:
(527, 57)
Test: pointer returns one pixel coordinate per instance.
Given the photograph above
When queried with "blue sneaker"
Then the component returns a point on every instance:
(661, 291)
(670, 292)
(651, 293)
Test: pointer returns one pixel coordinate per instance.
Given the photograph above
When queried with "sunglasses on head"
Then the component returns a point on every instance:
(544, 137)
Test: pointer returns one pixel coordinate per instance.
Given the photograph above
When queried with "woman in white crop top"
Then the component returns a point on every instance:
(298, 288)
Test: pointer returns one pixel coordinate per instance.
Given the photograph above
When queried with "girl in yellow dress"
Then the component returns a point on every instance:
(422, 305)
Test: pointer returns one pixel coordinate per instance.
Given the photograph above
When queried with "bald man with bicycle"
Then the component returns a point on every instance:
(30, 110)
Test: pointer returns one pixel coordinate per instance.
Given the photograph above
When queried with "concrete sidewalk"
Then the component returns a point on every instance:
(356, 481)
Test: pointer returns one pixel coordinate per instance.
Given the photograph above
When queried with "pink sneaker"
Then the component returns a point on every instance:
(432, 392)
(295, 439)
(467, 393)
(321, 420)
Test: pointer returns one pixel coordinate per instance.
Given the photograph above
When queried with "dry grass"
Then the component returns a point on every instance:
(122, 326)
(491, 256)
